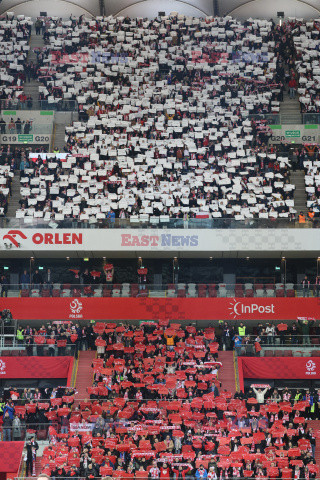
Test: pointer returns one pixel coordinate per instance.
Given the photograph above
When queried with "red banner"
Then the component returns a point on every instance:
(10, 456)
(36, 367)
(279, 367)
(161, 308)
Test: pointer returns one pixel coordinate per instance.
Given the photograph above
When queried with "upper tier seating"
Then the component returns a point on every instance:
(14, 38)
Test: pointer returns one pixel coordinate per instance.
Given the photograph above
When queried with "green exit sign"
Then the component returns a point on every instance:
(25, 138)
(292, 133)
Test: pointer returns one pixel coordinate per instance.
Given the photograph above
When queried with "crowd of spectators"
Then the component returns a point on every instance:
(14, 39)
(307, 44)
(157, 410)
(164, 131)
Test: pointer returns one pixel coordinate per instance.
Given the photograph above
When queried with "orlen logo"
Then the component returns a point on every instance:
(238, 309)
(311, 367)
(76, 309)
(12, 237)
(46, 238)
(2, 367)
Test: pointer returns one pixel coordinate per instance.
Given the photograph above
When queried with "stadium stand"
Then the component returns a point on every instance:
(187, 149)
(306, 40)
(14, 37)
(174, 119)
(63, 187)
(157, 409)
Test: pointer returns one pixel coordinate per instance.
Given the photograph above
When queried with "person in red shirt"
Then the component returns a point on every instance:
(165, 472)
(292, 88)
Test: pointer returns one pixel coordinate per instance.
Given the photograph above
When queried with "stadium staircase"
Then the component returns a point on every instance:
(13, 205)
(227, 372)
(38, 465)
(84, 373)
(300, 195)
(32, 87)
(61, 120)
(290, 110)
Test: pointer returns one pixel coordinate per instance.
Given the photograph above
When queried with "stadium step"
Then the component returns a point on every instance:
(32, 87)
(300, 196)
(226, 373)
(62, 120)
(290, 110)
(13, 205)
(84, 373)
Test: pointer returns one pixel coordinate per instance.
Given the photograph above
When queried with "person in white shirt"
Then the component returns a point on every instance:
(260, 394)
(270, 331)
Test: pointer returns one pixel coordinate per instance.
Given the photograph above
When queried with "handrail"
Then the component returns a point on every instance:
(102, 401)
(180, 289)
(156, 222)
(59, 104)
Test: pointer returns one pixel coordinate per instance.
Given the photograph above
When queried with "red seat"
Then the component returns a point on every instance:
(287, 353)
(249, 292)
(290, 292)
(55, 292)
(45, 293)
(25, 293)
(106, 293)
(269, 353)
(87, 290)
(181, 292)
(42, 434)
(239, 293)
(280, 292)
(315, 353)
(213, 293)
(143, 293)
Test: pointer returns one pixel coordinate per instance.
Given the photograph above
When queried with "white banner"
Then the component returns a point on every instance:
(144, 240)
(81, 427)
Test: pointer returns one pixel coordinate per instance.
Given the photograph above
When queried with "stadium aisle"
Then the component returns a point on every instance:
(227, 373)
(84, 373)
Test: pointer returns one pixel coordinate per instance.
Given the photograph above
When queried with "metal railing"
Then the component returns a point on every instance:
(311, 118)
(145, 475)
(45, 350)
(59, 104)
(27, 430)
(25, 129)
(156, 223)
(281, 346)
(271, 118)
(102, 289)
(282, 119)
